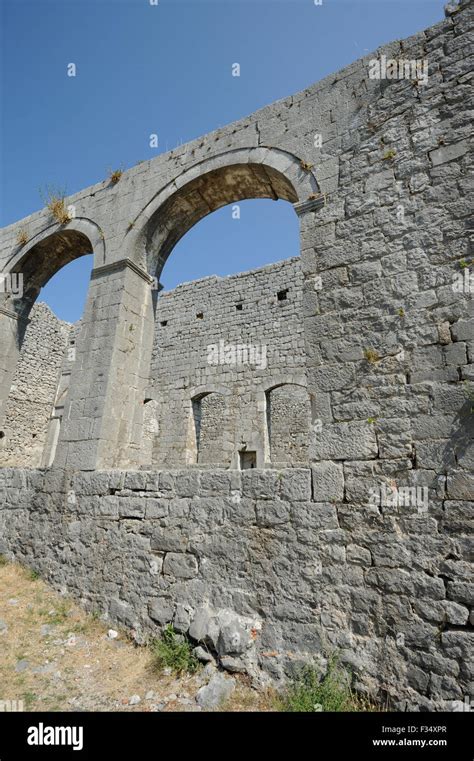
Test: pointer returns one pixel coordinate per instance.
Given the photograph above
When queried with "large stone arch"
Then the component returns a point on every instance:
(229, 177)
(232, 176)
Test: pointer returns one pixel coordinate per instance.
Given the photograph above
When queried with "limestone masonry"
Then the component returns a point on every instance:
(280, 462)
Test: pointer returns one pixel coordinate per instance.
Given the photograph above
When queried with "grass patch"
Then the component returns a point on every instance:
(22, 237)
(60, 614)
(175, 652)
(371, 356)
(29, 698)
(115, 176)
(310, 694)
(3, 560)
(54, 200)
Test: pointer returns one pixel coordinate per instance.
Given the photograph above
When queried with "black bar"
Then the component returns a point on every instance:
(152, 735)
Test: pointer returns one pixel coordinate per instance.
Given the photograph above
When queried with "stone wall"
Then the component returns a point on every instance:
(263, 566)
(33, 392)
(372, 556)
(223, 342)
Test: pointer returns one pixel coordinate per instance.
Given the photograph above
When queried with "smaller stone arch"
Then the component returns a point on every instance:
(45, 254)
(30, 267)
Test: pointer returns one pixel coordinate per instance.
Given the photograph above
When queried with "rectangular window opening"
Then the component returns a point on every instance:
(248, 460)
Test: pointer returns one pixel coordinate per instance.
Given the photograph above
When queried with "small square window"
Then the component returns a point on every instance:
(199, 316)
(164, 323)
(248, 460)
(239, 307)
(282, 295)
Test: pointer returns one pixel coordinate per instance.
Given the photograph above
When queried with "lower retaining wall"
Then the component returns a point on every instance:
(250, 564)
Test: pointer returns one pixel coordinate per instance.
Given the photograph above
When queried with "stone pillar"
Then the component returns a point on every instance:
(11, 326)
(102, 423)
(317, 236)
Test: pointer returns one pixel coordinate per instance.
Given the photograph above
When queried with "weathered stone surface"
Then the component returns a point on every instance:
(161, 610)
(328, 482)
(181, 565)
(345, 441)
(213, 694)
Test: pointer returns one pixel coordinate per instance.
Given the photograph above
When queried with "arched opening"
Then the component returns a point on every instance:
(288, 417)
(213, 443)
(229, 331)
(39, 346)
(237, 238)
(207, 193)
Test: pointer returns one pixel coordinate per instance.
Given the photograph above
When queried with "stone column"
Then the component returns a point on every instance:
(11, 327)
(102, 423)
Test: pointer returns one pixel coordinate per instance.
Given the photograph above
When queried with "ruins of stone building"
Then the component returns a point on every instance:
(310, 496)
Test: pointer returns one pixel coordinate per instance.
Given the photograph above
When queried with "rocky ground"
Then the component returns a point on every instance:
(55, 657)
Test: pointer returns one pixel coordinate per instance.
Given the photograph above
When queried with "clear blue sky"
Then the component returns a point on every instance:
(166, 69)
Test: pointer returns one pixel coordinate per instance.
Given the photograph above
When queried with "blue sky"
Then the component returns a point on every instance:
(166, 69)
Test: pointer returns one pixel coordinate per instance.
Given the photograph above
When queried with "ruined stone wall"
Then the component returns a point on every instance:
(33, 392)
(295, 571)
(234, 337)
(372, 557)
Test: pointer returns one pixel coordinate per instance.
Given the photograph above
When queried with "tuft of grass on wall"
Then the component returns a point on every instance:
(57, 207)
(22, 237)
(115, 176)
(173, 651)
(371, 356)
(309, 693)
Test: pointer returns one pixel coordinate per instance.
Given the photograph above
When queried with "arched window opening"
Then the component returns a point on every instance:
(236, 238)
(288, 409)
(211, 423)
(232, 235)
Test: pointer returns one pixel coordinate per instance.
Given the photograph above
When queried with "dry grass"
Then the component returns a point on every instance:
(115, 176)
(57, 209)
(22, 237)
(76, 666)
(371, 356)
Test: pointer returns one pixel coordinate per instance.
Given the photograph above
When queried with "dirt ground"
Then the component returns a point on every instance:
(55, 657)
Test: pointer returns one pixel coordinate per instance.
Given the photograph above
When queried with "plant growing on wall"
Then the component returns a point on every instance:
(115, 176)
(390, 154)
(22, 237)
(54, 200)
(371, 356)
